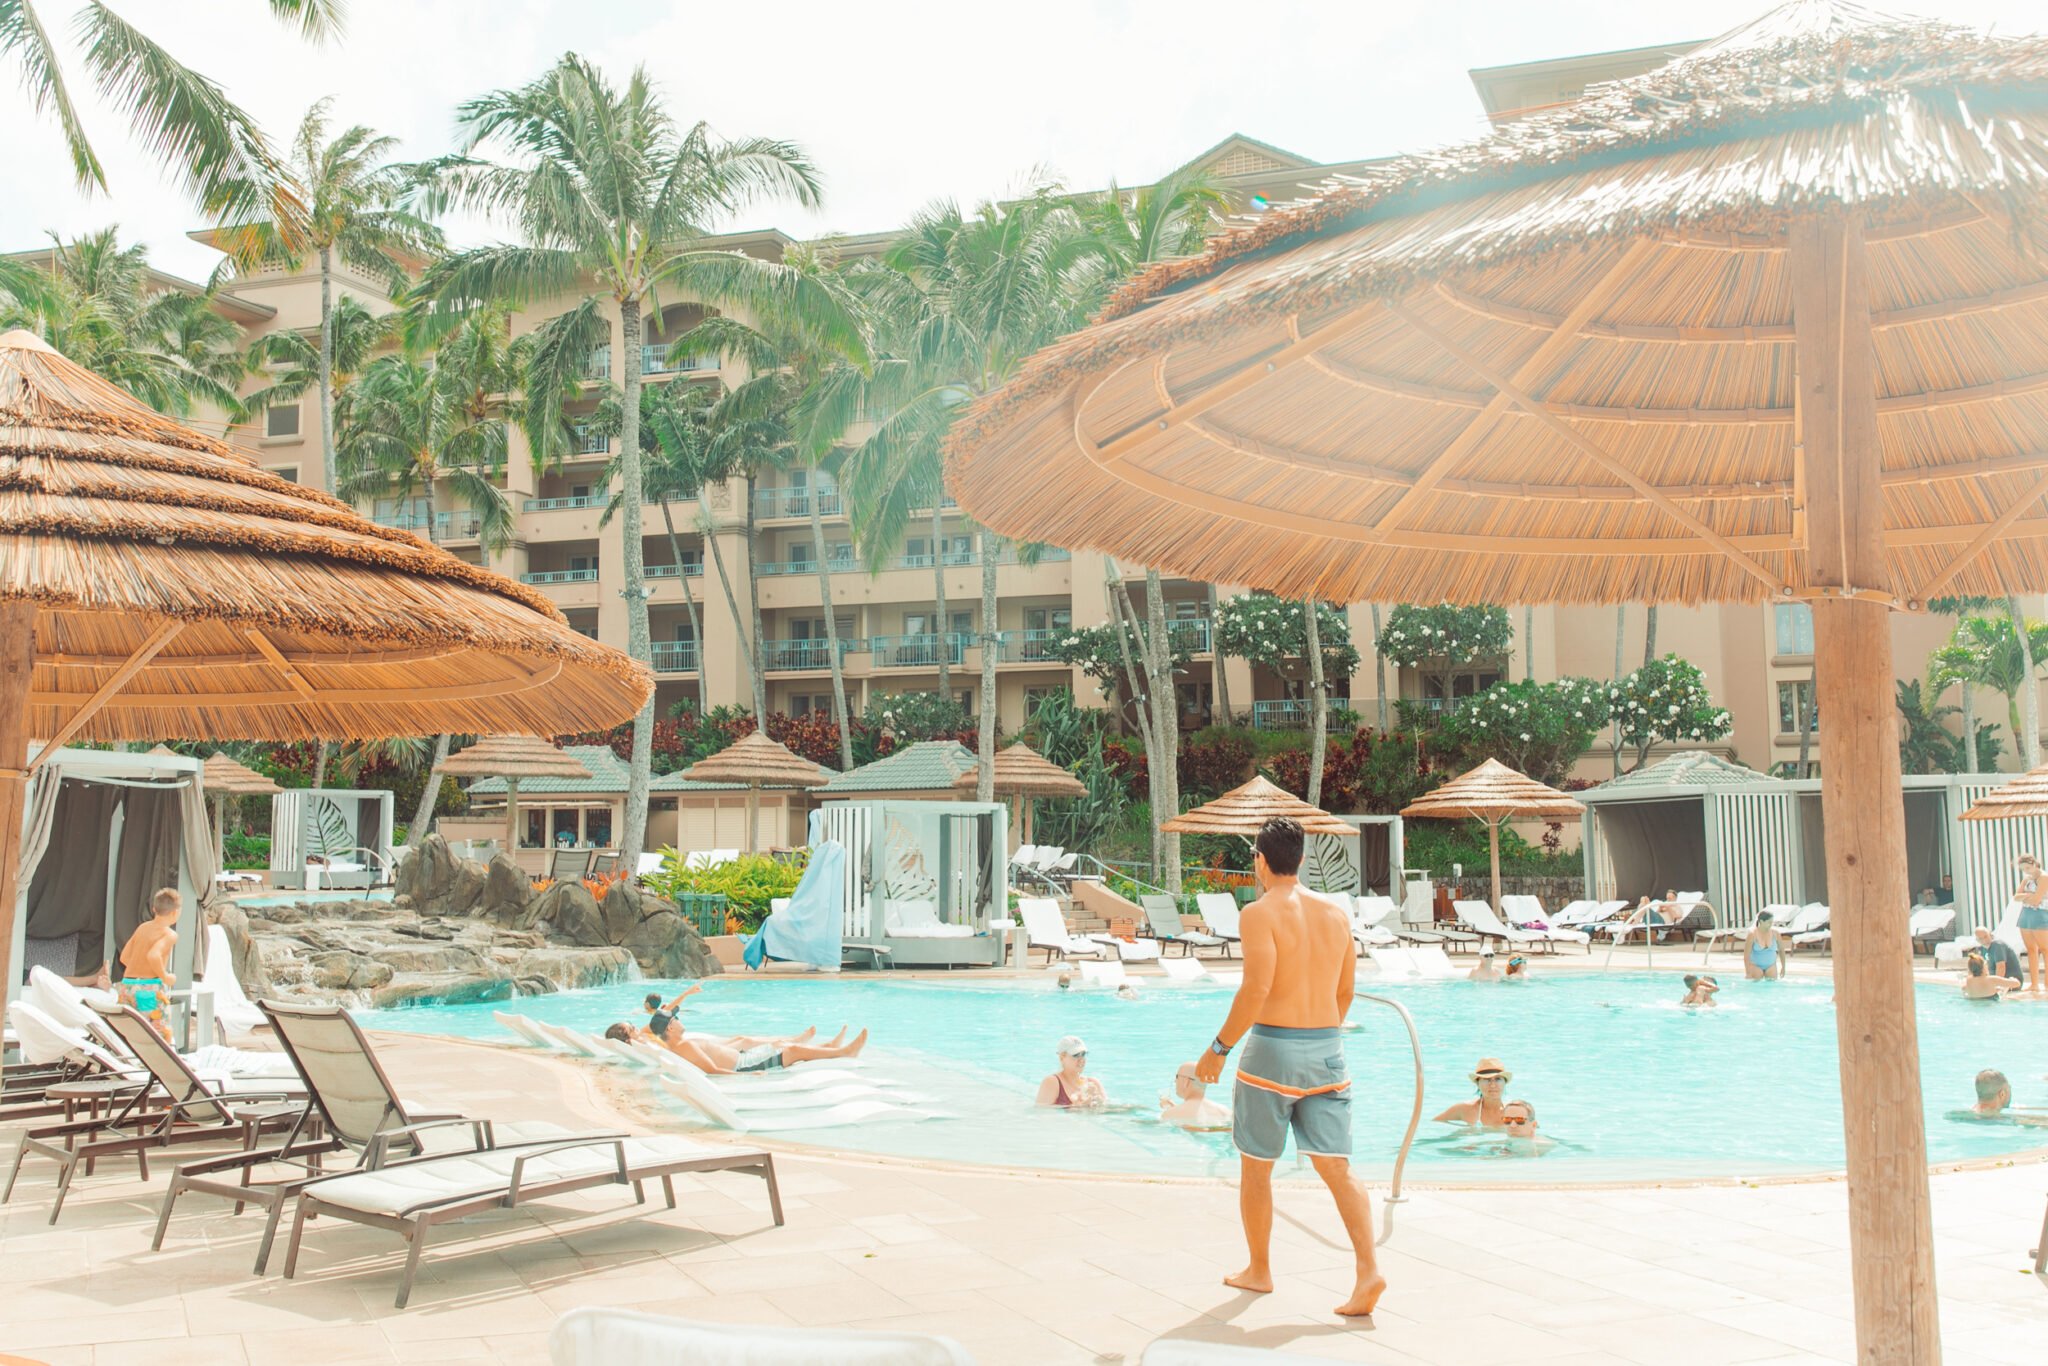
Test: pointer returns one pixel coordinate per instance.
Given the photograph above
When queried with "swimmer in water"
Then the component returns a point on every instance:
(1518, 969)
(1190, 1107)
(1069, 1088)
(1127, 991)
(1490, 1079)
(1699, 991)
(1485, 972)
(1518, 1118)
(1994, 1103)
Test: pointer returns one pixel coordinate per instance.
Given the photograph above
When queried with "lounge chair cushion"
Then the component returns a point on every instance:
(919, 919)
(402, 1188)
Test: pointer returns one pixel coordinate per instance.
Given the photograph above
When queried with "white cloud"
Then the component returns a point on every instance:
(899, 101)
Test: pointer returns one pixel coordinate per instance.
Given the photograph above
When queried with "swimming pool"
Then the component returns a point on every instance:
(1630, 1086)
(301, 898)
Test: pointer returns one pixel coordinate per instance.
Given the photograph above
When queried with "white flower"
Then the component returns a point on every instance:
(1525, 740)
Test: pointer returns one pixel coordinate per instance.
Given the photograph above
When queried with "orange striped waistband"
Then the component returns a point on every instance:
(1279, 1088)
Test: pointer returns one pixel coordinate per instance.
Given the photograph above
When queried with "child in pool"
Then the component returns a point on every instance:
(1699, 990)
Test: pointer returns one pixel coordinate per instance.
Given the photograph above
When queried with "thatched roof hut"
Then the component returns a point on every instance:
(1023, 774)
(1493, 793)
(513, 757)
(754, 761)
(1245, 809)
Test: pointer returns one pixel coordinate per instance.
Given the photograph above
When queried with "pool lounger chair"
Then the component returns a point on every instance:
(625, 1337)
(1220, 914)
(1425, 961)
(173, 1106)
(1931, 925)
(1487, 925)
(1109, 976)
(360, 1113)
(1588, 915)
(1164, 924)
(412, 1197)
(819, 1075)
(1806, 921)
(1141, 950)
(1183, 969)
(695, 1089)
(76, 1008)
(1045, 928)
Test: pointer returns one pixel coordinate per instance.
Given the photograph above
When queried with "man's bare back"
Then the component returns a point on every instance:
(1307, 938)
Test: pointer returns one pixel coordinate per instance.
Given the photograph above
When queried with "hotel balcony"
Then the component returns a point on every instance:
(668, 358)
(1291, 713)
(918, 652)
(546, 577)
(801, 656)
(795, 502)
(675, 656)
(446, 526)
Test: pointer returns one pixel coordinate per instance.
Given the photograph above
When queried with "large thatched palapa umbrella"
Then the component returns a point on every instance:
(754, 762)
(1245, 809)
(511, 757)
(1768, 324)
(1493, 793)
(155, 582)
(1023, 775)
(2026, 795)
(223, 778)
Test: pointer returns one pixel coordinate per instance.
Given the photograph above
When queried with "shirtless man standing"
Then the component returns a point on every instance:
(1298, 966)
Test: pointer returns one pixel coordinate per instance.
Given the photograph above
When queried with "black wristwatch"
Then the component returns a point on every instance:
(1218, 1047)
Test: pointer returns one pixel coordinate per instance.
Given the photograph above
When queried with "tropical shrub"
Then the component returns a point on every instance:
(1439, 641)
(246, 851)
(749, 883)
(1273, 631)
(1373, 773)
(1666, 699)
(1438, 845)
(1212, 763)
(1534, 728)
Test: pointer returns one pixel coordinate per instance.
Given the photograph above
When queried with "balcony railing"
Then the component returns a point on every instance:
(1289, 713)
(598, 364)
(547, 576)
(675, 656)
(795, 502)
(666, 358)
(918, 652)
(848, 565)
(1190, 634)
(581, 500)
(789, 655)
(693, 568)
(1033, 646)
(952, 559)
(446, 525)
(588, 441)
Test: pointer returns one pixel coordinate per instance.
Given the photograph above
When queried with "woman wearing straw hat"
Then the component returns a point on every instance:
(2033, 925)
(1491, 1080)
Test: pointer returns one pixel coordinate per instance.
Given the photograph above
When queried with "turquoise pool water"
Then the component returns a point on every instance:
(1630, 1086)
(297, 898)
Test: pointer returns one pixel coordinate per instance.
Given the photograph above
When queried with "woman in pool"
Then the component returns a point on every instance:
(1699, 990)
(1069, 1088)
(1518, 969)
(2033, 924)
(1762, 954)
(1490, 1079)
(1979, 982)
(1485, 972)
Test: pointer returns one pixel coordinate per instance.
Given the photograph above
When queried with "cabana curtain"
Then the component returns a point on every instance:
(151, 832)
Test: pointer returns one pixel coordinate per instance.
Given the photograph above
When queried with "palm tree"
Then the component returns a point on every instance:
(671, 470)
(351, 208)
(293, 360)
(1988, 652)
(215, 150)
(96, 303)
(1960, 607)
(609, 192)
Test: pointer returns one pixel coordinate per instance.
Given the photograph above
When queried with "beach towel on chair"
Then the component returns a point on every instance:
(808, 929)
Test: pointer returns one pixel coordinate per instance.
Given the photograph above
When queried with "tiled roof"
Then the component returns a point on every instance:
(1692, 768)
(608, 773)
(928, 765)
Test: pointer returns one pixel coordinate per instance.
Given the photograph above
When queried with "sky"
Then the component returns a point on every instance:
(899, 102)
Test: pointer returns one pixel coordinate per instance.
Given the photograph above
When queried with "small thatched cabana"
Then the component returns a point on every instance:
(1767, 324)
(754, 761)
(1023, 775)
(1246, 808)
(512, 757)
(1492, 793)
(223, 778)
(154, 582)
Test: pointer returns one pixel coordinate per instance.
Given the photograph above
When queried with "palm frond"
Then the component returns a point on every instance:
(23, 38)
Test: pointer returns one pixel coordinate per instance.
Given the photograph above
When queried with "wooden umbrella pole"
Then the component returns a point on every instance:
(1493, 856)
(1862, 802)
(220, 832)
(17, 664)
(753, 818)
(512, 819)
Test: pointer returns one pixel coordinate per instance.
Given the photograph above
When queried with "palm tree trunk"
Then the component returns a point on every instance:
(1802, 715)
(1165, 722)
(1969, 728)
(991, 644)
(760, 652)
(839, 716)
(1219, 672)
(1650, 634)
(1528, 644)
(423, 814)
(1125, 616)
(1620, 633)
(2030, 688)
(1379, 665)
(320, 765)
(675, 550)
(1319, 705)
(639, 639)
(939, 596)
(739, 622)
(326, 370)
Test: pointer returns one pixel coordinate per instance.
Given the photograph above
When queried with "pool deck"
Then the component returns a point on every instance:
(1024, 1269)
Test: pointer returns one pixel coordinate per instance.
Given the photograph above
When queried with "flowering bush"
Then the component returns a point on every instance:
(1535, 728)
(1376, 772)
(1094, 651)
(1666, 699)
(749, 883)
(1273, 631)
(1439, 641)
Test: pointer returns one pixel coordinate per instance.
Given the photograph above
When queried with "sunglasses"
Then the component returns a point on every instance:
(1512, 1120)
(1497, 1078)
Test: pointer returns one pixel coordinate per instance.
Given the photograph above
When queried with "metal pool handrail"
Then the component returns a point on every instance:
(1394, 1196)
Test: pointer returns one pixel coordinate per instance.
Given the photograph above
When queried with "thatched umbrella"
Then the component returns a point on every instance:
(1245, 809)
(1023, 775)
(511, 757)
(155, 582)
(2026, 795)
(1768, 324)
(224, 778)
(1493, 793)
(754, 762)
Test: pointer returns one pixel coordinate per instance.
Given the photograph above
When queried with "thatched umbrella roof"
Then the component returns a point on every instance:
(227, 601)
(513, 756)
(2026, 795)
(1022, 772)
(1556, 364)
(1493, 792)
(756, 761)
(1244, 810)
(220, 774)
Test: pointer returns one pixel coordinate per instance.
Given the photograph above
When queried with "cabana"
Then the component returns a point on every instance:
(923, 878)
(510, 759)
(348, 830)
(755, 762)
(224, 778)
(105, 830)
(1023, 775)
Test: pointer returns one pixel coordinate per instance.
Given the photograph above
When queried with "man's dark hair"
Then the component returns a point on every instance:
(654, 1000)
(620, 1032)
(1280, 840)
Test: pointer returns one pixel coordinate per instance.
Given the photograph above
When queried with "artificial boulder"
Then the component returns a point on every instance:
(571, 915)
(242, 955)
(665, 944)
(434, 881)
(508, 892)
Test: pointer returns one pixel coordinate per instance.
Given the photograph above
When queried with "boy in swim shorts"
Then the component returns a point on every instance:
(146, 960)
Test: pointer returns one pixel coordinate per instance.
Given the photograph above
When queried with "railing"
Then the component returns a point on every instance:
(1292, 713)
(589, 441)
(693, 568)
(1191, 634)
(443, 523)
(1033, 646)
(560, 576)
(675, 656)
(796, 502)
(918, 652)
(848, 565)
(581, 500)
(952, 559)
(787, 655)
(662, 358)
(598, 364)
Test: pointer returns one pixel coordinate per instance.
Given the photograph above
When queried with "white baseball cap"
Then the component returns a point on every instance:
(1071, 1045)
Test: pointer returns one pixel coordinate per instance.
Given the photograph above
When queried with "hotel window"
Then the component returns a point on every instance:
(1033, 697)
(1794, 621)
(582, 564)
(290, 472)
(281, 420)
(1048, 619)
(839, 552)
(1791, 698)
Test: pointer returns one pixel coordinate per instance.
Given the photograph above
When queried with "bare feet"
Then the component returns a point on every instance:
(806, 1036)
(836, 1039)
(1364, 1296)
(860, 1041)
(1258, 1280)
